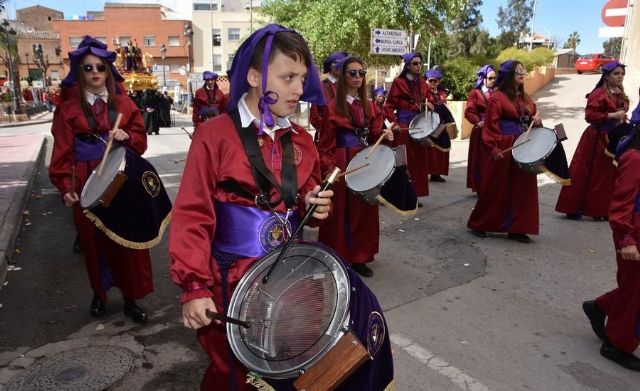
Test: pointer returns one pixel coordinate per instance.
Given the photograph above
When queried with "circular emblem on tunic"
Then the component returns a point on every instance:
(376, 332)
(272, 233)
(297, 154)
(151, 183)
(260, 142)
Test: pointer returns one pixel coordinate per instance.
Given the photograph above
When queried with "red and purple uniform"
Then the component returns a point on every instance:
(353, 229)
(318, 113)
(437, 160)
(405, 100)
(508, 198)
(622, 304)
(474, 113)
(108, 263)
(206, 97)
(592, 170)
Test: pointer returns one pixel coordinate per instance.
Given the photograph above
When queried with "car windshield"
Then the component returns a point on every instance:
(587, 56)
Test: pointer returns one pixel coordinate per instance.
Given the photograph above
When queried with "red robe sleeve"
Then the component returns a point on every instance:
(62, 154)
(399, 98)
(133, 125)
(623, 200)
(375, 123)
(598, 107)
(475, 102)
(327, 141)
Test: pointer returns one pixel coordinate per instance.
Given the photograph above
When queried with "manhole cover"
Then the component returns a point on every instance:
(90, 368)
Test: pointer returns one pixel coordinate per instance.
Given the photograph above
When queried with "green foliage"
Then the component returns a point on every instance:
(459, 77)
(573, 41)
(513, 21)
(612, 47)
(530, 60)
(466, 37)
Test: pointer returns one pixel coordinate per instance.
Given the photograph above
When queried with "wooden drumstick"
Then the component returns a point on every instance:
(526, 134)
(109, 145)
(353, 170)
(514, 146)
(176, 161)
(187, 132)
(375, 145)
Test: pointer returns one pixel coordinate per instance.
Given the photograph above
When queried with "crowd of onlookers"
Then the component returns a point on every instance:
(155, 107)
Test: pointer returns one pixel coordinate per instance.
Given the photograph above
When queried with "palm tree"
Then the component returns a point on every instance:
(573, 41)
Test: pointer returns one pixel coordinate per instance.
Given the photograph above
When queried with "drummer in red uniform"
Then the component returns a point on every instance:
(318, 113)
(508, 198)
(592, 170)
(228, 213)
(406, 99)
(209, 100)
(353, 229)
(437, 158)
(80, 127)
(474, 113)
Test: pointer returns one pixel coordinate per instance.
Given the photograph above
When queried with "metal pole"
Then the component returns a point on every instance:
(533, 21)
(429, 55)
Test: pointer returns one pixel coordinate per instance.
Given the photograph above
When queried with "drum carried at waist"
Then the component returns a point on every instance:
(127, 201)
(540, 151)
(434, 128)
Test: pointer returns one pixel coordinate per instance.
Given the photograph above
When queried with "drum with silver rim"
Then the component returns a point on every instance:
(424, 125)
(531, 152)
(100, 189)
(377, 169)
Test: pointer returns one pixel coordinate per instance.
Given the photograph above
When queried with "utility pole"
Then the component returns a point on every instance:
(533, 21)
(163, 50)
(188, 34)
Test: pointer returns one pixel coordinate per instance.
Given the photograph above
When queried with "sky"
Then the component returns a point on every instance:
(554, 18)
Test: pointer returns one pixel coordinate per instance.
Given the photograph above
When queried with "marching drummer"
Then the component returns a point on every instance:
(80, 127)
(209, 100)
(407, 99)
(353, 229)
(508, 198)
(318, 113)
(437, 158)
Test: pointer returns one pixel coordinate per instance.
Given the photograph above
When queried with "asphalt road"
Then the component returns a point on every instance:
(464, 313)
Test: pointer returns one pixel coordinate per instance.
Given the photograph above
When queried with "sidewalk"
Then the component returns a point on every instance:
(19, 157)
(39, 119)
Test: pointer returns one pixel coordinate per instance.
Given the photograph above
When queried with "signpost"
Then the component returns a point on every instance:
(389, 42)
(614, 14)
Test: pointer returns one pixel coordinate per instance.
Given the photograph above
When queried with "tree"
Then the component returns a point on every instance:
(332, 25)
(466, 37)
(612, 47)
(9, 54)
(513, 22)
(573, 41)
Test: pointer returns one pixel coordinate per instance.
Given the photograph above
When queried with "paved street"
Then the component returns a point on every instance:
(464, 313)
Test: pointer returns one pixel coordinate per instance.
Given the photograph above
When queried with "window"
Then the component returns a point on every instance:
(174, 68)
(230, 60)
(74, 42)
(174, 40)
(124, 41)
(233, 34)
(102, 39)
(216, 36)
(205, 6)
(217, 62)
(149, 40)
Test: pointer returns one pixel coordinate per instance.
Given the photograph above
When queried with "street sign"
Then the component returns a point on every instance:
(389, 42)
(614, 13)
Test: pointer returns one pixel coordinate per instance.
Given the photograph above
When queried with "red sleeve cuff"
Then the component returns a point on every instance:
(195, 294)
(627, 240)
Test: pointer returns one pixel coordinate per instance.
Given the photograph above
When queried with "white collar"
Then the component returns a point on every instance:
(332, 79)
(247, 118)
(91, 97)
(410, 76)
(351, 99)
(485, 88)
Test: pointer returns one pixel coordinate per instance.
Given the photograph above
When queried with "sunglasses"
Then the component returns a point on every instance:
(88, 68)
(355, 73)
(433, 80)
(491, 78)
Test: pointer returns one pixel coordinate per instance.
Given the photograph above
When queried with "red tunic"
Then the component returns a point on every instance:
(216, 156)
(622, 304)
(508, 198)
(474, 113)
(317, 113)
(353, 229)
(592, 170)
(130, 270)
(409, 95)
(202, 99)
(437, 161)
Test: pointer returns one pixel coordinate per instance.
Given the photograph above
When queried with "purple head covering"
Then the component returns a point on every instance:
(482, 74)
(311, 90)
(433, 74)
(505, 68)
(378, 91)
(89, 45)
(607, 69)
(208, 75)
(333, 57)
(340, 63)
(407, 57)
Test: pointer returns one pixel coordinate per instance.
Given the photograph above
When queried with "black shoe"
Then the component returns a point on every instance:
(157, 133)
(76, 245)
(480, 234)
(136, 313)
(362, 269)
(437, 178)
(149, 133)
(522, 238)
(420, 204)
(574, 216)
(625, 359)
(596, 317)
(97, 306)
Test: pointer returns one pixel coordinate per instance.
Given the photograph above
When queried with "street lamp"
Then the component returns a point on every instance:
(188, 34)
(26, 55)
(163, 50)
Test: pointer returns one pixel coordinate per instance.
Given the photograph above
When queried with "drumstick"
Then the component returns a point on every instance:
(187, 132)
(526, 134)
(375, 145)
(176, 161)
(228, 319)
(307, 215)
(515, 146)
(73, 178)
(353, 170)
(109, 145)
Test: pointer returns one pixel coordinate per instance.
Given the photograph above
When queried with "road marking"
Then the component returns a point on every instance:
(457, 377)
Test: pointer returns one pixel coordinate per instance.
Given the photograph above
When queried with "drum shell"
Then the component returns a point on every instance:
(370, 195)
(423, 126)
(116, 157)
(536, 165)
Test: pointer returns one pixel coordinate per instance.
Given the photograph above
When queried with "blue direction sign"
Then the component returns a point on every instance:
(390, 42)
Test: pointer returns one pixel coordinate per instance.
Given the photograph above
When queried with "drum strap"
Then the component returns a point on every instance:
(263, 177)
(328, 88)
(113, 113)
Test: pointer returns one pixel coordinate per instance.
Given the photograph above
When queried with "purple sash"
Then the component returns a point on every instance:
(247, 231)
(510, 127)
(87, 151)
(346, 138)
(405, 116)
(607, 125)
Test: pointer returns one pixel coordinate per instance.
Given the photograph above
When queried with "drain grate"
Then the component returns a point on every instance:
(84, 369)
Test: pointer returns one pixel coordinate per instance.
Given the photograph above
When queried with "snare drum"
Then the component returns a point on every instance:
(423, 126)
(368, 181)
(531, 156)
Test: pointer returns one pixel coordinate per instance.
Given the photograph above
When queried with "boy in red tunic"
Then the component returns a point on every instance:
(208, 101)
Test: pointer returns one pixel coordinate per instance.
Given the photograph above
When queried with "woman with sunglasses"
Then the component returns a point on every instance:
(438, 152)
(474, 113)
(406, 99)
(508, 198)
(353, 228)
(592, 170)
(80, 129)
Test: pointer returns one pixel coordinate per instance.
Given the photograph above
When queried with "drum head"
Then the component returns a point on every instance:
(381, 165)
(543, 141)
(97, 185)
(424, 125)
(295, 317)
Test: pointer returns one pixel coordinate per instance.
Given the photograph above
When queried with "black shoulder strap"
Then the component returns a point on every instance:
(113, 114)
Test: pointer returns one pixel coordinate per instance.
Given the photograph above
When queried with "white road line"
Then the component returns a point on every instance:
(457, 377)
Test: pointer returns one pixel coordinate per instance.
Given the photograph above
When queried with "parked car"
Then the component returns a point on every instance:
(592, 62)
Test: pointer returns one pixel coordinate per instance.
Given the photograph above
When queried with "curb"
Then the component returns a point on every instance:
(11, 228)
(25, 123)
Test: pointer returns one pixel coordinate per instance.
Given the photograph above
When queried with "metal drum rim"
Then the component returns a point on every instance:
(384, 180)
(520, 139)
(115, 150)
(418, 118)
